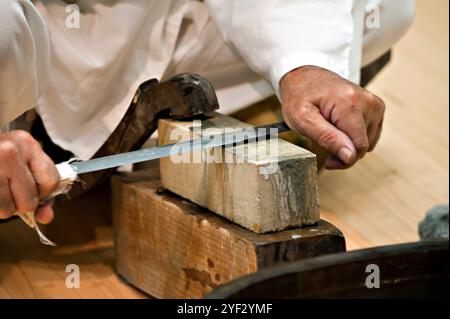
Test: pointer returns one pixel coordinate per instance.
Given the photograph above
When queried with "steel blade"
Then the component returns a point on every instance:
(152, 153)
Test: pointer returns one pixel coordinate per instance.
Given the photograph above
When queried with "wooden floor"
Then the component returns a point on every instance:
(380, 201)
(82, 230)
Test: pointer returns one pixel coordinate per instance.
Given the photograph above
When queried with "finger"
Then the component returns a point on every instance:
(41, 166)
(372, 130)
(377, 137)
(312, 124)
(7, 207)
(23, 188)
(44, 214)
(353, 124)
(44, 172)
(333, 163)
(377, 108)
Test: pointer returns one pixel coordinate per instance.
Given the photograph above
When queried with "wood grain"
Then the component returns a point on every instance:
(171, 248)
(244, 190)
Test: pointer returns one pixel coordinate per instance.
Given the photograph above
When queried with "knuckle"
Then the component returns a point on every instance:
(48, 177)
(351, 95)
(48, 185)
(376, 102)
(362, 146)
(326, 138)
(8, 150)
(53, 183)
(302, 112)
(302, 118)
(22, 137)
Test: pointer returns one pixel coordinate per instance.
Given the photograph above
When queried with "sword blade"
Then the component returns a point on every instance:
(152, 153)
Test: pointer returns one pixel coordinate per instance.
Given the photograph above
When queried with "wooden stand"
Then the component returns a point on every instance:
(171, 248)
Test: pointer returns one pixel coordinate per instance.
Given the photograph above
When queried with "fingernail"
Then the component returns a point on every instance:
(345, 154)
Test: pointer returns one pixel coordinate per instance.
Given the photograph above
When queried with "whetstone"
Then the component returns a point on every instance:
(171, 248)
(247, 191)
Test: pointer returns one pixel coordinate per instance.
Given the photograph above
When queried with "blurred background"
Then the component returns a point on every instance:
(380, 201)
(383, 198)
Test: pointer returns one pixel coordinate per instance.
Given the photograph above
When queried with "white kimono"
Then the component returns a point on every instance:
(81, 80)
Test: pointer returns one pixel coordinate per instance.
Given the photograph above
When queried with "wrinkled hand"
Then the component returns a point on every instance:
(338, 115)
(27, 175)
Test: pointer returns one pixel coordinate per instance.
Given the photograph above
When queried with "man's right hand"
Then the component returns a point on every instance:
(27, 176)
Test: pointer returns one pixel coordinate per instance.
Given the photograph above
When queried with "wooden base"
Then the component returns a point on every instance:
(171, 248)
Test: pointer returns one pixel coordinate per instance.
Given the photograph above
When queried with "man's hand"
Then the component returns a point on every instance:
(27, 175)
(338, 115)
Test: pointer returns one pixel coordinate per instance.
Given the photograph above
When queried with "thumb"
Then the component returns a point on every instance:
(314, 126)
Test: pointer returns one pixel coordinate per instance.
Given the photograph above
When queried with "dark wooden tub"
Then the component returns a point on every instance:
(413, 270)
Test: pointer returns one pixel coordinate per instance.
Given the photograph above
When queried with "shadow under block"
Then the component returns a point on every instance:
(258, 190)
(171, 248)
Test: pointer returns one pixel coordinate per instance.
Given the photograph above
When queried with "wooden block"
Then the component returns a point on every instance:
(171, 248)
(247, 191)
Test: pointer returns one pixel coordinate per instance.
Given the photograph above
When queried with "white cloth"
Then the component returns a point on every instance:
(81, 80)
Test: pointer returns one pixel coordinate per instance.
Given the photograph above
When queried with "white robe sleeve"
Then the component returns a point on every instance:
(277, 36)
(24, 52)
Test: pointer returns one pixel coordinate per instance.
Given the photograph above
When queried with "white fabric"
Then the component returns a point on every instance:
(281, 35)
(82, 80)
